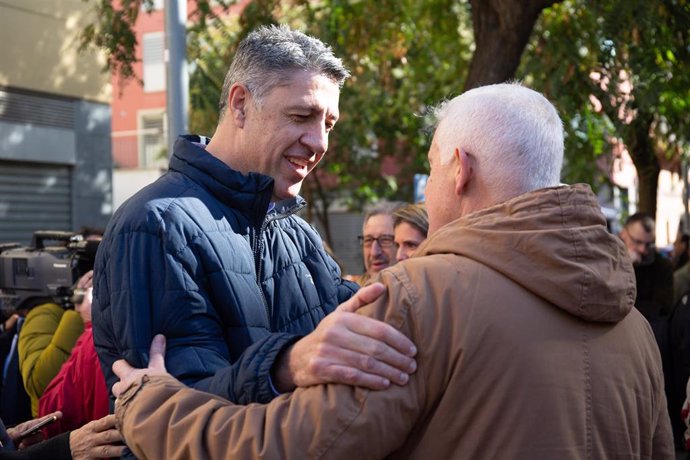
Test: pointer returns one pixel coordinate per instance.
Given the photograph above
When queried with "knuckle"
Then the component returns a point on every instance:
(320, 349)
(348, 375)
(378, 349)
(379, 331)
(367, 363)
(315, 367)
(330, 334)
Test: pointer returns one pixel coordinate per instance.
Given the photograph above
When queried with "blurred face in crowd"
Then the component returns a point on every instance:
(407, 237)
(640, 243)
(378, 243)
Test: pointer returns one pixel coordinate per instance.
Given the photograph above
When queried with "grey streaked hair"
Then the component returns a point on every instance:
(265, 57)
(514, 134)
(383, 207)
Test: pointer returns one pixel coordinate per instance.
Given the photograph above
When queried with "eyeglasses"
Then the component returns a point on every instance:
(78, 295)
(636, 242)
(385, 241)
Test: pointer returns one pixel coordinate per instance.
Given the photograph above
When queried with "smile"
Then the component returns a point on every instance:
(299, 162)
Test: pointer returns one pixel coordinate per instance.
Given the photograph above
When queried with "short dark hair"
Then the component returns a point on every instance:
(643, 218)
(386, 208)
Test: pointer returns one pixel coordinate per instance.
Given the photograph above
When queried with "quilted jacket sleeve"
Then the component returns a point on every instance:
(143, 288)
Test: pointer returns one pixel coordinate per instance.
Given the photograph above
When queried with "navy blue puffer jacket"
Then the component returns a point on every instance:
(197, 257)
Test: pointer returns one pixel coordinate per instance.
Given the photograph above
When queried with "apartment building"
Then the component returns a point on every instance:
(55, 148)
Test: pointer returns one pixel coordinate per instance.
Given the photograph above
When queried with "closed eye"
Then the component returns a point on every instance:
(299, 117)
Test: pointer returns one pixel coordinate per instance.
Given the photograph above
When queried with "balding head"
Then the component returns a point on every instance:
(510, 140)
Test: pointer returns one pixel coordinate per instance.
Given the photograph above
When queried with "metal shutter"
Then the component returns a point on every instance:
(33, 197)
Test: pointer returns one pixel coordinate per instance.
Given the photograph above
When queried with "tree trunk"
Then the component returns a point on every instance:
(645, 161)
(501, 31)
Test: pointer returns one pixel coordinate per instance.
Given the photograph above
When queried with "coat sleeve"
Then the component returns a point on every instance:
(662, 441)
(323, 421)
(45, 343)
(144, 288)
(56, 448)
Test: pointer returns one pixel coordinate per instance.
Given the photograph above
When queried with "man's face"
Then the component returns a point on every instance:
(407, 238)
(288, 134)
(639, 242)
(378, 244)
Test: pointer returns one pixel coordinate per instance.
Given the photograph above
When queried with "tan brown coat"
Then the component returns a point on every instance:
(529, 348)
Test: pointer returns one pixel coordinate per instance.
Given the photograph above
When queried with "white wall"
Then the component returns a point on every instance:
(127, 182)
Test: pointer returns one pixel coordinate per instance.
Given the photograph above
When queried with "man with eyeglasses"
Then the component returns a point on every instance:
(378, 240)
(653, 273)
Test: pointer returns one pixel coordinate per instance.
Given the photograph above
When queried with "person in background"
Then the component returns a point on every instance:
(15, 404)
(45, 342)
(377, 240)
(411, 225)
(78, 390)
(97, 439)
(214, 255)
(681, 273)
(521, 304)
(654, 273)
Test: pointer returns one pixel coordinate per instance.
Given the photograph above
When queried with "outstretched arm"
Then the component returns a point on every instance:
(322, 421)
(348, 348)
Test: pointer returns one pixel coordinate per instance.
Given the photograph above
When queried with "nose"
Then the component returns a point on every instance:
(401, 254)
(376, 248)
(315, 138)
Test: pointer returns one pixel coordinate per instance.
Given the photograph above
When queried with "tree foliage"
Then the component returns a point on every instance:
(618, 71)
(407, 55)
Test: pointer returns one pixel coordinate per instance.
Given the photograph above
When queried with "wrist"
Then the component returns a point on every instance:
(282, 376)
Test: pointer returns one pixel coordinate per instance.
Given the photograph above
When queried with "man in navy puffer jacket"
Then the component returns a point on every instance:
(213, 255)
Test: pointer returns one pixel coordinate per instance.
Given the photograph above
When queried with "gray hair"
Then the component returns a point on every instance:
(413, 214)
(514, 134)
(267, 54)
(383, 207)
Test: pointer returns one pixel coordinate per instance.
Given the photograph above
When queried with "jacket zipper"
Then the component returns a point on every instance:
(258, 246)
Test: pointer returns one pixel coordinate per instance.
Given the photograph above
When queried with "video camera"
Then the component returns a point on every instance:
(43, 271)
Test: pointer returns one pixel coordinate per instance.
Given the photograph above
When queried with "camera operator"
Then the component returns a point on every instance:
(79, 389)
(45, 343)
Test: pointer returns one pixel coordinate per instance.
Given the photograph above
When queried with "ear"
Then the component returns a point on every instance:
(238, 98)
(463, 170)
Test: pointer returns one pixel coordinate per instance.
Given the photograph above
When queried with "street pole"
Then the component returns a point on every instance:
(177, 88)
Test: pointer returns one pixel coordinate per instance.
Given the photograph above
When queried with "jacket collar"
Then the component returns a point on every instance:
(553, 242)
(249, 193)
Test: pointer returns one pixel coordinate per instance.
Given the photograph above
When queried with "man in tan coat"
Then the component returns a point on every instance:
(521, 307)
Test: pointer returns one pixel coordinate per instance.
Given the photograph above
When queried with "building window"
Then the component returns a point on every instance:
(154, 62)
(152, 139)
(155, 5)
